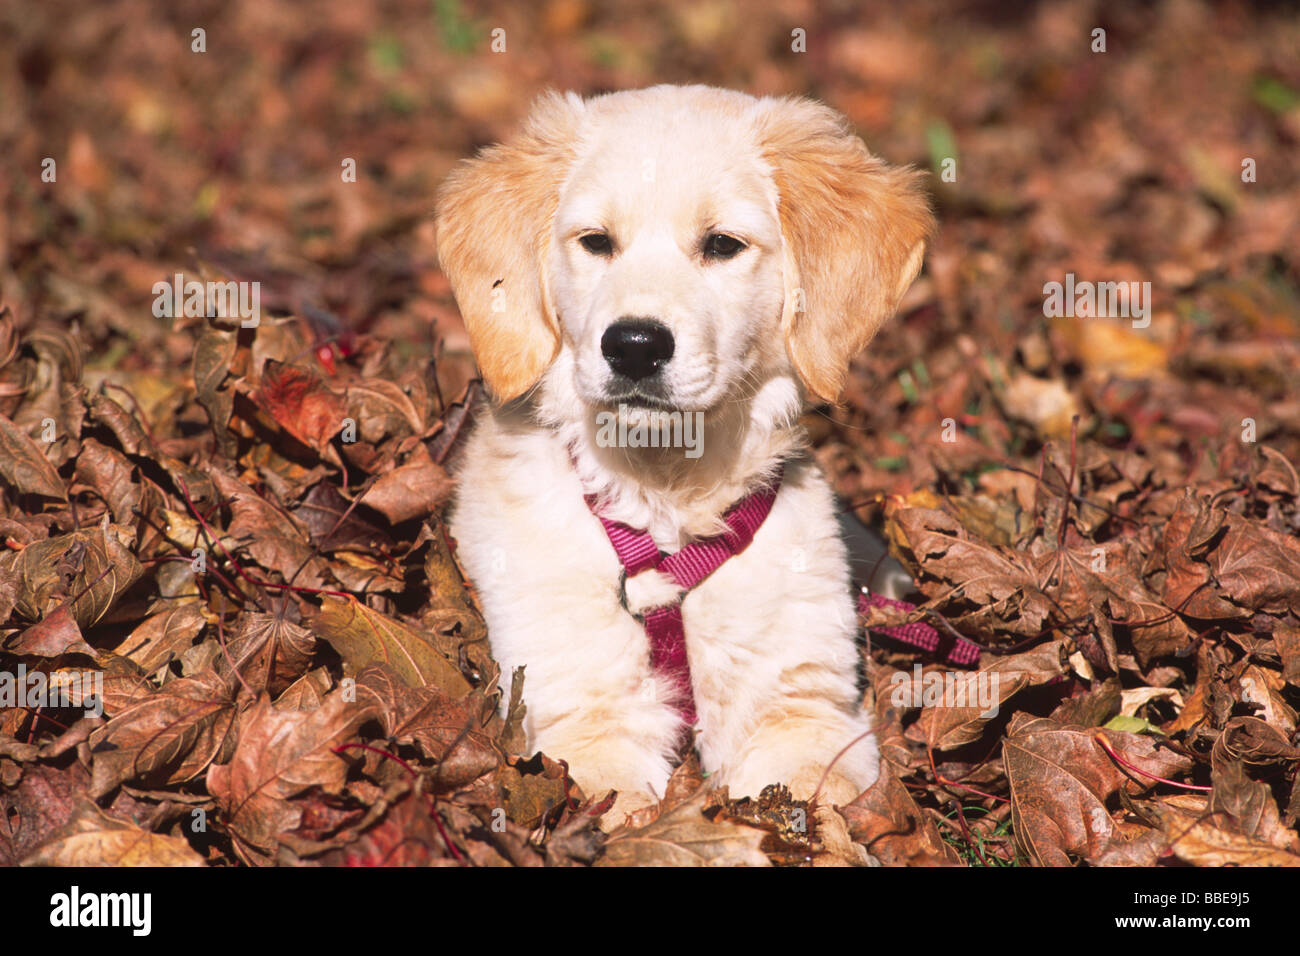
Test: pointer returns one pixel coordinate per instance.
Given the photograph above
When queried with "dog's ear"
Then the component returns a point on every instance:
(494, 219)
(855, 231)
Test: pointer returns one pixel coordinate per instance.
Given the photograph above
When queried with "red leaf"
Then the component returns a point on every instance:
(299, 401)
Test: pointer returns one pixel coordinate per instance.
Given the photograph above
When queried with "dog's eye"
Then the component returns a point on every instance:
(597, 243)
(721, 246)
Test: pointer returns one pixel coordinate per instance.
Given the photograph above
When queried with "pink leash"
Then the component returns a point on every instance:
(638, 552)
(958, 650)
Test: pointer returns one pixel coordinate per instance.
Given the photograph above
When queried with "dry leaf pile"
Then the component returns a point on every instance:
(293, 670)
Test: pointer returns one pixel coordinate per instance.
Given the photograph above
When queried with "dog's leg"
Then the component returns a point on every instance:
(547, 579)
(612, 740)
(807, 745)
(824, 755)
(591, 698)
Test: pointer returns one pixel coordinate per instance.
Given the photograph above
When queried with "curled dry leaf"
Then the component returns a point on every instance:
(24, 466)
(454, 732)
(56, 634)
(167, 737)
(1092, 708)
(1213, 839)
(214, 356)
(1255, 742)
(685, 837)
(1135, 699)
(886, 820)
(889, 714)
(110, 474)
(131, 438)
(269, 652)
(577, 842)
(533, 789)
(412, 490)
(335, 525)
(92, 568)
(1060, 778)
(93, 838)
(271, 535)
(1249, 803)
(1189, 585)
(363, 636)
(1287, 639)
(301, 403)
(958, 705)
(1047, 405)
(957, 571)
(381, 409)
(1257, 567)
(448, 598)
(1262, 688)
(1107, 581)
(124, 682)
(280, 754)
(1278, 473)
(163, 636)
(307, 692)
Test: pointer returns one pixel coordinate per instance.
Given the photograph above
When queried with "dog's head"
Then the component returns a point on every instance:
(677, 248)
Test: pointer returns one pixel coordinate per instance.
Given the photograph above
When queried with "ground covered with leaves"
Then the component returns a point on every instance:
(240, 530)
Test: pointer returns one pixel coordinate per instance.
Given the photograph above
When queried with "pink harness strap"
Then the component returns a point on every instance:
(638, 552)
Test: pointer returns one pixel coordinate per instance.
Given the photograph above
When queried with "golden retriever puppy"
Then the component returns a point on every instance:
(655, 284)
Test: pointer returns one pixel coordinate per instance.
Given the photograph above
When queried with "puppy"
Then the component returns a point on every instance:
(655, 284)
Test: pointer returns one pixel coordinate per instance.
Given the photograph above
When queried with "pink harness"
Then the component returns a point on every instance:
(638, 552)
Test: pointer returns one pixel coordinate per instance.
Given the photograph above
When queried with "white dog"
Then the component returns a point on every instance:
(655, 283)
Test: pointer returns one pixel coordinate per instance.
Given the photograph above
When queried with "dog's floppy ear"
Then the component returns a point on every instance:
(854, 230)
(494, 219)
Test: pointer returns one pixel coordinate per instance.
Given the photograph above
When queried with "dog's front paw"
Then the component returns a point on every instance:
(615, 764)
(631, 808)
(829, 788)
(828, 791)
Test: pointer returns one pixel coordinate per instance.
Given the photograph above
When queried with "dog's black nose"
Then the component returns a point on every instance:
(636, 348)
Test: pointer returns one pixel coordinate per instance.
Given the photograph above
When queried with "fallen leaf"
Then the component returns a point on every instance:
(54, 635)
(111, 475)
(271, 535)
(301, 403)
(685, 837)
(163, 636)
(280, 754)
(1060, 778)
(363, 636)
(23, 465)
(92, 568)
(268, 651)
(412, 490)
(1257, 567)
(334, 524)
(964, 702)
(1211, 839)
(168, 737)
(886, 820)
(450, 731)
(381, 409)
(1046, 405)
(92, 838)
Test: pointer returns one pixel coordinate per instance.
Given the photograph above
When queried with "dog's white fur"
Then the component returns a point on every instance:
(833, 239)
